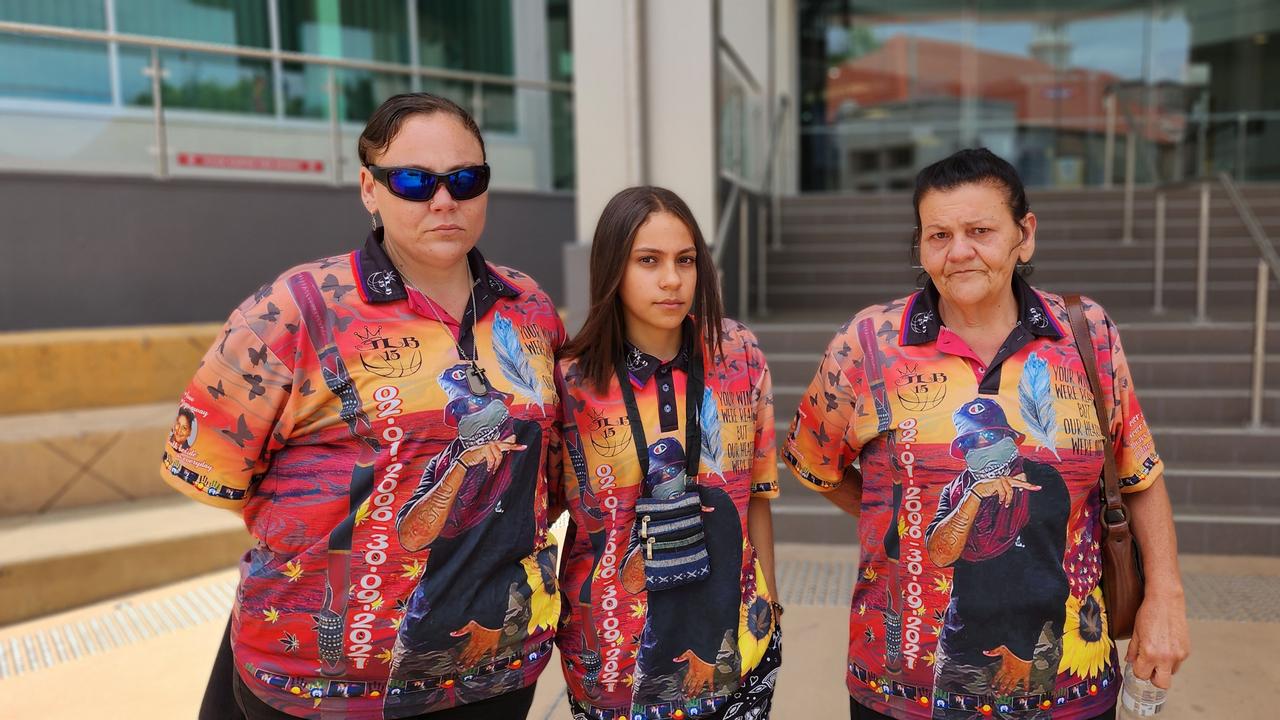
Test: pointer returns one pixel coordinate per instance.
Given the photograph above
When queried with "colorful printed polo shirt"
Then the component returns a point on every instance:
(681, 651)
(967, 606)
(402, 563)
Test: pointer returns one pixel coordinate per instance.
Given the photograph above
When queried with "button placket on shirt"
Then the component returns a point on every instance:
(666, 399)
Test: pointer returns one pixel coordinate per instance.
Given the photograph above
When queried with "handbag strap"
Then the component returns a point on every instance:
(1114, 516)
(694, 384)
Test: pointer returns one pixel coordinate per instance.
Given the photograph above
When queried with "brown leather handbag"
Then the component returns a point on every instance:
(1122, 579)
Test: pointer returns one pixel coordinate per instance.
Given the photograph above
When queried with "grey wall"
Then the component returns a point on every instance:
(81, 251)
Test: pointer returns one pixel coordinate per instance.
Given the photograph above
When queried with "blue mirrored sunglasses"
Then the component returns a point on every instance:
(981, 438)
(420, 185)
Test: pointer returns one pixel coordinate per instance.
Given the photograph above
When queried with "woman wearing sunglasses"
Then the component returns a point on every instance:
(669, 467)
(383, 421)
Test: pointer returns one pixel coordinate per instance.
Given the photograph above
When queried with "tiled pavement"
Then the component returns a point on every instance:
(147, 655)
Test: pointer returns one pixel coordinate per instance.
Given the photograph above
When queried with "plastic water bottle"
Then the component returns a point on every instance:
(1140, 698)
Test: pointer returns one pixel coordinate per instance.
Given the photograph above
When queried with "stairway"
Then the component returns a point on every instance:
(842, 253)
(84, 514)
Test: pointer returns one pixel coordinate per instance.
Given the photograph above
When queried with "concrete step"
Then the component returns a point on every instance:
(850, 248)
(1217, 485)
(1227, 531)
(69, 558)
(1181, 370)
(48, 370)
(1068, 224)
(76, 458)
(1230, 297)
(1060, 273)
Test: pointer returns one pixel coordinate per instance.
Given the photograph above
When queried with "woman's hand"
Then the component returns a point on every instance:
(1160, 639)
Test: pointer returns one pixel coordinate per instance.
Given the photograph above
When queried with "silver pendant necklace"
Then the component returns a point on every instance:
(477, 380)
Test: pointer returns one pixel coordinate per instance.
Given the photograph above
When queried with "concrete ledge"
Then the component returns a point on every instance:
(63, 369)
(67, 559)
(61, 460)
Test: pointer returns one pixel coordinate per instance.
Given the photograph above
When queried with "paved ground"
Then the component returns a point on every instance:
(147, 655)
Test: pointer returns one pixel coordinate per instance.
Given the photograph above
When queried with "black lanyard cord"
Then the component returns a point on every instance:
(693, 390)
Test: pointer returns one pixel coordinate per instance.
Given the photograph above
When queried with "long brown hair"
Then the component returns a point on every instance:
(599, 343)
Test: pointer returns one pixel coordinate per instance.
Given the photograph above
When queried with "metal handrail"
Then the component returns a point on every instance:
(1268, 266)
(158, 43)
(1202, 247)
(156, 72)
(1268, 260)
(1265, 249)
(733, 201)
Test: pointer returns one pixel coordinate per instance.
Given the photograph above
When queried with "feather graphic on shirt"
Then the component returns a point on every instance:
(709, 419)
(1035, 396)
(514, 362)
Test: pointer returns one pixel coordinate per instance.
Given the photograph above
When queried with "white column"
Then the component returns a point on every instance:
(680, 123)
(644, 112)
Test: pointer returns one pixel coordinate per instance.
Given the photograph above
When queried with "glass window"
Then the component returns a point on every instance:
(355, 29)
(358, 29)
(1031, 81)
(230, 22)
(198, 81)
(47, 69)
(559, 41)
(475, 36)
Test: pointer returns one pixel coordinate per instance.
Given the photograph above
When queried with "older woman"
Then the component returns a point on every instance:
(969, 411)
(382, 419)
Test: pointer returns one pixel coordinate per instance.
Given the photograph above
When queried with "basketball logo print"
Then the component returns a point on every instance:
(388, 357)
(920, 391)
(609, 436)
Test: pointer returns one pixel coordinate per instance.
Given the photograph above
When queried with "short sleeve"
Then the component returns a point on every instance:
(764, 467)
(555, 469)
(227, 420)
(1137, 461)
(831, 426)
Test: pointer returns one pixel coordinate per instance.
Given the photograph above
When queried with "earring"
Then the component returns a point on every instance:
(373, 218)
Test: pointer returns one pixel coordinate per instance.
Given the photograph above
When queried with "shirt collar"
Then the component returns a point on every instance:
(921, 320)
(380, 282)
(642, 366)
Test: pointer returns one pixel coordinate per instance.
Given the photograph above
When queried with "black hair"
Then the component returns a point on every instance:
(386, 121)
(971, 166)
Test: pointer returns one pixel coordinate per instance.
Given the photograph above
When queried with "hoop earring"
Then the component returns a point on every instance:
(373, 218)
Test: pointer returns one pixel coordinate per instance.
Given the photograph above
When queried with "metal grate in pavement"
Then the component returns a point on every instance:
(1234, 598)
(125, 624)
(1242, 598)
(816, 583)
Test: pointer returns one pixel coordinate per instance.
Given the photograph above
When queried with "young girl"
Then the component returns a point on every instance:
(669, 466)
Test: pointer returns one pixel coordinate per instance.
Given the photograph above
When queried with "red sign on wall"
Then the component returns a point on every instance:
(249, 162)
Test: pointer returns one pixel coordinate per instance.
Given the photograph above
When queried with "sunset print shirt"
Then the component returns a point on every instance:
(966, 606)
(402, 561)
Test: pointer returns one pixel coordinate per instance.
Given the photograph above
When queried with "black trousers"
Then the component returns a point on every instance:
(861, 712)
(513, 705)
